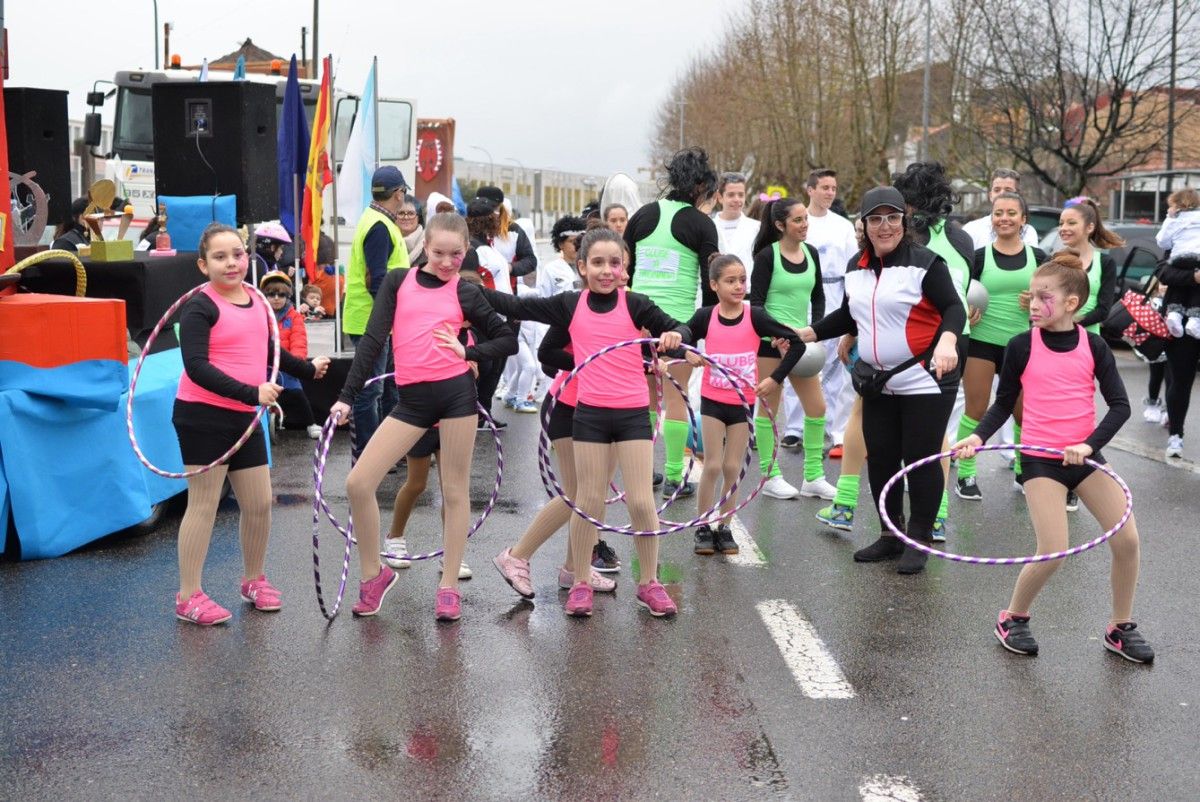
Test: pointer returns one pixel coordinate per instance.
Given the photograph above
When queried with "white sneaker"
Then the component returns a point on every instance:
(1192, 329)
(464, 570)
(1175, 446)
(1175, 324)
(818, 488)
(314, 432)
(1153, 412)
(778, 487)
(1018, 487)
(396, 545)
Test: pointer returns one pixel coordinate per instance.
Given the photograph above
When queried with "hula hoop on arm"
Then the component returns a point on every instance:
(1033, 558)
(259, 410)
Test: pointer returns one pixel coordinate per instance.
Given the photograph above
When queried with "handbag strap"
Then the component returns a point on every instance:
(908, 363)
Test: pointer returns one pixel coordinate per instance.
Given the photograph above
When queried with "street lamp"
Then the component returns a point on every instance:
(491, 162)
(520, 180)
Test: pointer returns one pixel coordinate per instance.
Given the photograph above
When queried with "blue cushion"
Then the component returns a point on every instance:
(188, 216)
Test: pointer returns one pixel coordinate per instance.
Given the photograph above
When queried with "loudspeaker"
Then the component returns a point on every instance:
(36, 120)
(218, 137)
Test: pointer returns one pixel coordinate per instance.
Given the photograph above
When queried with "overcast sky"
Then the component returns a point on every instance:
(573, 86)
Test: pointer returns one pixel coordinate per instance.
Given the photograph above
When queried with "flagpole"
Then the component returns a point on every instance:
(337, 278)
(375, 104)
(297, 244)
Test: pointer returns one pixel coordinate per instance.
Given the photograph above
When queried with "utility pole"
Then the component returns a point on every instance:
(1171, 96)
(680, 102)
(924, 152)
(316, 44)
(155, 32)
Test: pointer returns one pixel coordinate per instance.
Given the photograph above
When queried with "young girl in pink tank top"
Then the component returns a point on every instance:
(732, 331)
(422, 311)
(1056, 366)
(612, 406)
(224, 334)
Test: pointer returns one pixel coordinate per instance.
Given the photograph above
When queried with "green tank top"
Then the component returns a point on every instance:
(357, 308)
(790, 294)
(960, 268)
(1004, 318)
(665, 270)
(1093, 291)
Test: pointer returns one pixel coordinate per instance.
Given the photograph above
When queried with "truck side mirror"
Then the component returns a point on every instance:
(91, 129)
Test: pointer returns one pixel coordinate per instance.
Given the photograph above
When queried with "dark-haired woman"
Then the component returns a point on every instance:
(71, 233)
(903, 307)
(787, 283)
(670, 241)
(1081, 229)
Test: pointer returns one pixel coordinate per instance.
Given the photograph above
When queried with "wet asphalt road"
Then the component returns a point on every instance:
(105, 695)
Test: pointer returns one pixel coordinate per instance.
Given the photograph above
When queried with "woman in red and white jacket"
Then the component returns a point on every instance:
(901, 303)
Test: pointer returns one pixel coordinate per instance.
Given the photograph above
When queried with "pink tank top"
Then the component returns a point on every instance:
(1060, 394)
(237, 346)
(569, 395)
(419, 313)
(616, 380)
(734, 348)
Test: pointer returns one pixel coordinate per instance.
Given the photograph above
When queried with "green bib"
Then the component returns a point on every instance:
(1004, 318)
(790, 294)
(666, 271)
(960, 268)
(357, 308)
(1093, 291)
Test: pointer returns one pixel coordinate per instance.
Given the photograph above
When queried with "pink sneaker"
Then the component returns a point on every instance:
(599, 582)
(449, 605)
(579, 600)
(371, 592)
(262, 594)
(199, 609)
(515, 572)
(653, 596)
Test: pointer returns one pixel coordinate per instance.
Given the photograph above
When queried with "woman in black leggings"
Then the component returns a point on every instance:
(1183, 354)
(901, 303)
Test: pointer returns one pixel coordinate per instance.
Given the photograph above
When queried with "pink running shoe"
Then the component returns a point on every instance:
(449, 605)
(371, 592)
(262, 594)
(653, 596)
(579, 600)
(515, 572)
(599, 582)
(201, 610)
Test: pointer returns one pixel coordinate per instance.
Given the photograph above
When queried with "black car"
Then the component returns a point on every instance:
(1136, 260)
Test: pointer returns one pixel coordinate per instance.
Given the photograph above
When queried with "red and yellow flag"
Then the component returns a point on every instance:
(319, 174)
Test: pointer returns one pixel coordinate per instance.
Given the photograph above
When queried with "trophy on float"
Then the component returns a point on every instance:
(100, 201)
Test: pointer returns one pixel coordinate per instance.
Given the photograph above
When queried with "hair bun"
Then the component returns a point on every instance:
(1068, 258)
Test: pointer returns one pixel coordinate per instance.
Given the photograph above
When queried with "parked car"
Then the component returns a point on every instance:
(1043, 219)
(1136, 260)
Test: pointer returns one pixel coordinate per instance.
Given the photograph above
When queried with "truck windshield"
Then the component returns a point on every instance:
(133, 132)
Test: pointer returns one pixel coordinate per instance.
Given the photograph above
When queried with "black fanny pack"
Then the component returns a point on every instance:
(869, 381)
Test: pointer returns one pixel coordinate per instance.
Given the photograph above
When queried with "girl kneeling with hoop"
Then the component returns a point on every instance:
(422, 311)
(224, 333)
(612, 404)
(732, 332)
(1056, 365)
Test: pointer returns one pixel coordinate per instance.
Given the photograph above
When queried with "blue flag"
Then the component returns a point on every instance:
(293, 150)
(456, 196)
(239, 72)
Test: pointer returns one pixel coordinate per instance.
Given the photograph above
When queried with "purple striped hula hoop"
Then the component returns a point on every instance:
(1033, 558)
(712, 514)
(659, 416)
(137, 370)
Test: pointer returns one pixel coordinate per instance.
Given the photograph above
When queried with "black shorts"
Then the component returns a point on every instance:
(425, 403)
(993, 353)
(429, 444)
(728, 414)
(603, 425)
(206, 432)
(562, 420)
(1035, 467)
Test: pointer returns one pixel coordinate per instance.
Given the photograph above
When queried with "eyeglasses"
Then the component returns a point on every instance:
(877, 220)
(277, 294)
(406, 214)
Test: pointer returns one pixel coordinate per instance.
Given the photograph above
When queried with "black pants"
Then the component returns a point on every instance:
(899, 430)
(297, 412)
(1158, 372)
(1183, 353)
(490, 371)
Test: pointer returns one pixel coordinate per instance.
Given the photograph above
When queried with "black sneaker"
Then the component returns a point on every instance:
(483, 425)
(704, 540)
(1126, 641)
(968, 489)
(913, 560)
(1072, 501)
(658, 478)
(886, 548)
(1014, 634)
(724, 540)
(790, 441)
(604, 559)
(686, 489)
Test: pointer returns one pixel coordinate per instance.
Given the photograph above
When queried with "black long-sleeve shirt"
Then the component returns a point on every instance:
(552, 353)
(1016, 358)
(559, 310)
(196, 321)
(498, 340)
(764, 325)
(764, 267)
(1107, 294)
(525, 261)
(691, 228)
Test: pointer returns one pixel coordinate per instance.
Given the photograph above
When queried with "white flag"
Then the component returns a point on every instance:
(358, 163)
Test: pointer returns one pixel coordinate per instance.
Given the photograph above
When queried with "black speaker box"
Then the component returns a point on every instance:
(218, 137)
(36, 120)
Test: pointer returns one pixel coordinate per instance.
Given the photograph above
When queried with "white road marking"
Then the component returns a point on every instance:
(815, 670)
(888, 788)
(1152, 453)
(748, 551)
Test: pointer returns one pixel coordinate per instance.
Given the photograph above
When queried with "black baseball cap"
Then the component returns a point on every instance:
(881, 196)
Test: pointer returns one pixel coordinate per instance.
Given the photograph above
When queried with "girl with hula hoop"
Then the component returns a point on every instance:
(224, 334)
(1056, 366)
(732, 332)
(422, 310)
(787, 283)
(612, 404)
